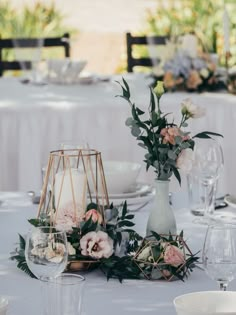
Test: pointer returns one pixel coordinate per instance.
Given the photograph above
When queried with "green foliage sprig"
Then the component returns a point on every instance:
(164, 141)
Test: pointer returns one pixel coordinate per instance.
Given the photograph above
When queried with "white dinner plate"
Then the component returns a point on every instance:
(230, 200)
(134, 200)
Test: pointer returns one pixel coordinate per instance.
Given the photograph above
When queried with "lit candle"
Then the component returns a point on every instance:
(189, 45)
(226, 29)
(70, 191)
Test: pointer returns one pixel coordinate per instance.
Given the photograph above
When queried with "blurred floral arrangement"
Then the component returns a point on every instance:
(204, 18)
(169, 147)
(114, 247)
(192, 74)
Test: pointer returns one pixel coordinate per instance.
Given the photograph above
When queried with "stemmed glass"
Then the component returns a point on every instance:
(46, 252)
(207, 165)
(219, 253)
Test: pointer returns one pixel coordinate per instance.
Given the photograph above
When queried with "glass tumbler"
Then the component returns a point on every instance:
(197, 196)
(63, 295)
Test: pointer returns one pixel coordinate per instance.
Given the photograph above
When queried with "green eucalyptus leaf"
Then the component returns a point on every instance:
(207, 135)
(129, 121)
(177, 174)
(178, 139)
(129, 216)
(126, 87)
(135, 130)
(139, 111)
(142, 145)
(172, 155)
(152, 101)
(124, 210)
(154, 118)
(185, 145)
(125, 223)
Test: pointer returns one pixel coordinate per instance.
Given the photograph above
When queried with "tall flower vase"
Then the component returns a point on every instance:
(161, 219)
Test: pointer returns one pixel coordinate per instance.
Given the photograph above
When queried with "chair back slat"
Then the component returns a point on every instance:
(142, 40)
(8, 43)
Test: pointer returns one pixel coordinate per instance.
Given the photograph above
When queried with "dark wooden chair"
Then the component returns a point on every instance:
(131, 41)
(8, 43)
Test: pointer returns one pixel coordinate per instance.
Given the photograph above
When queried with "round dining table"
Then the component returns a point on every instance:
(36, 119)
(100, 296)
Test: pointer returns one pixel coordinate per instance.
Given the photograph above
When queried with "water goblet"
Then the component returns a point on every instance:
(207, 165)
(46, 252)
(219, 253)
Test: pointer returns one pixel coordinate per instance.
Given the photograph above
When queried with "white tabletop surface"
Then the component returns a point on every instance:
(35, 119)
(101, 297)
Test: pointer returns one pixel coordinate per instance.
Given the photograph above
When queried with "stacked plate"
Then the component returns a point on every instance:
(137, 196)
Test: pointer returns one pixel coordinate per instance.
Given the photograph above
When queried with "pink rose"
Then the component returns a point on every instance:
(173, 256)
(169, 134)
(66, 217)
(94, 214)
(97, 245)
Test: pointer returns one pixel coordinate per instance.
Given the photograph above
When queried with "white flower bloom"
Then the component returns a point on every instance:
(97, 245)
(56, 259)
(71, 250)
(185, 160)
(204, 73)
(191, 110)
(144, 254)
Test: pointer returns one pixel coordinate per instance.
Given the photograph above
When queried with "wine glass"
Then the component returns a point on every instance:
(207, 165)
(46, 252)
(219, 253)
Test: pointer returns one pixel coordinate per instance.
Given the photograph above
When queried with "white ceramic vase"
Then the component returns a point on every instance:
(161, 218)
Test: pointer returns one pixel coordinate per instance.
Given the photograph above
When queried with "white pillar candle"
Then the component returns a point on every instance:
(67, 182)
(226, 30)
(189, 44)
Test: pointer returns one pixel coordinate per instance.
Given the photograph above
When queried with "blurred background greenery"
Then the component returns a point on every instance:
(37, 20)
(170, 17)
(202, 17)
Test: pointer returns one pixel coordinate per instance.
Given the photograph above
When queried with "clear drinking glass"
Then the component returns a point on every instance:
(196, 195)
(46, 252)
(63, 295)
(207, 165)
(219, 253)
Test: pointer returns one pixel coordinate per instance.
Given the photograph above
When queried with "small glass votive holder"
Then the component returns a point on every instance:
(197, 196)
(63, 295)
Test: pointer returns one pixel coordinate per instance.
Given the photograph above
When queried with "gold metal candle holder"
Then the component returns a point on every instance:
(73, 179)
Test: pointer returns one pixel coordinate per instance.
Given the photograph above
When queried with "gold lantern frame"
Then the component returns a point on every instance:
(87, 162)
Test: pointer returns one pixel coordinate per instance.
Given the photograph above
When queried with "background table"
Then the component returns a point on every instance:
(101, 297)
(35, 119)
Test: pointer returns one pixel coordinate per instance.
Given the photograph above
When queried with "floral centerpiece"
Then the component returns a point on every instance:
(192, 74)
(116, 248)
(169, 148)
(104, 237)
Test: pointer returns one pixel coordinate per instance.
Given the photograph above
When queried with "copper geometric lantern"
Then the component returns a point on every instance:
(73, 179)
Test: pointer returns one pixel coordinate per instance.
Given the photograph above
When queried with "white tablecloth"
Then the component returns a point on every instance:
(101, 297)
(35, 119)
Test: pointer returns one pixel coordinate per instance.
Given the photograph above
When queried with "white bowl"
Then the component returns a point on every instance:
(120, 176)
(206, 303)
(65, 70)
(3, 305)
